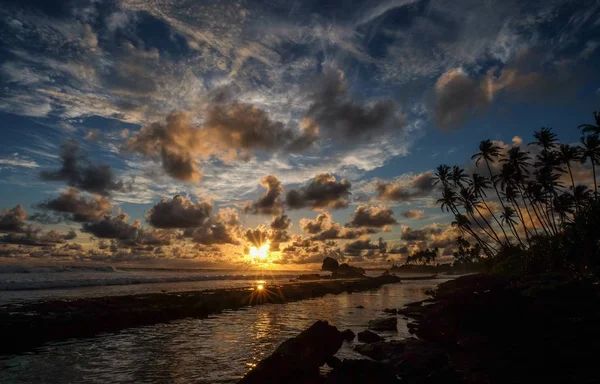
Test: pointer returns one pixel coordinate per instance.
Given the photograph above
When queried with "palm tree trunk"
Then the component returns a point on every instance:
(594, 173)
(539, 217)
(522, 192)
(517, 209)
(499, 198)
(487, 222)
(481, 226)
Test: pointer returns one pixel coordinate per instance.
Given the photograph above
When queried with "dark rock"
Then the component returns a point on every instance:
(359, 307)
(381, 350)
(310, 276)
(297, 360)
(415, 304)
(392, 311)
(346, 270)
(330, 264)
(348, 335)
(361, 371)
(334, 362)
(367, 336)
(387, 324)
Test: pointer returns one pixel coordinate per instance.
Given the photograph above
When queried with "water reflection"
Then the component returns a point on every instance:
(217, 349)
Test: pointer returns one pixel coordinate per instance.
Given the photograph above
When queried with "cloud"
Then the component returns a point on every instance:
(414, 214)
(70, 205)
(356, 247)
(113, 227)
(406, 189)
(324, 228)
(459, 96)
(179, 212)
(79, 172)
(13, 220)
(36, 237)
(16, 161)
(281, 222)
(372, 216)
(230, 130)
(323, 191)
(341, 118)
(268, 203)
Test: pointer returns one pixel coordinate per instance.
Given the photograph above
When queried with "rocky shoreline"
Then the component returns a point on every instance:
(23, 327)
(474, 329)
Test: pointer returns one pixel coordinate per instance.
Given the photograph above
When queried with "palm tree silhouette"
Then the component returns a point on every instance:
(591, 152)
(590, 128)
(488, 151)
(566, 155)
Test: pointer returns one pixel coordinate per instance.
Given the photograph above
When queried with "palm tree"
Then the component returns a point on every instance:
(478, 184)
(488, 151)
(508, 217)
(458, 176)
(469, 201)
(442, 175)
(582, 195)
(449, 201)
(545, 138)
(568, 154)
(591, 152)
(519, 160)
(462, 223)
(590, 128)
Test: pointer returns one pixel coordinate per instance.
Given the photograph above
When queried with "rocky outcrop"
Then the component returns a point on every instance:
(297, 360)
(367, 336)
(341, 270)
(387, 324)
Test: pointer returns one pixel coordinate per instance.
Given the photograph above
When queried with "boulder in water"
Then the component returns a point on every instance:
(297, 360)
(368, 337)
(387, 324)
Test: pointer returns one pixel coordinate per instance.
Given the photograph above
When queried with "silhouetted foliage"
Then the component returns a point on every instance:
(532, 222)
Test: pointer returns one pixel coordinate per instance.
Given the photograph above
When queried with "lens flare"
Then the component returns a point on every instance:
(259, 254)
(260, 287)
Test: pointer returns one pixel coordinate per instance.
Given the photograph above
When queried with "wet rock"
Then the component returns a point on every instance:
(367, 336)
(387, 324)
(381, 350)
(361, 371)
(297, 360)
(346, 270)
(359, 307)
(391, 311)
(348, 335)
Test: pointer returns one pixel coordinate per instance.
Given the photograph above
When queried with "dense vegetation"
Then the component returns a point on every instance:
(527, 212)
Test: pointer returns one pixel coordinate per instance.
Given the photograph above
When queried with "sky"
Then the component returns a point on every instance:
(180, 133)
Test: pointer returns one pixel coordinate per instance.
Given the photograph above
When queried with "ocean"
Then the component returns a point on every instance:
(217, 349)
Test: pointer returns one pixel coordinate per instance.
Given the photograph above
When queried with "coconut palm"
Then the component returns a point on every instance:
(568, 154)
(591, 152)
(469, 202)
(442, 175)
(459, 177)
(590, 128)
(478, 184)
(488, 152)
(545, 138)
(508, 217)
(449, 201)
(582, 195)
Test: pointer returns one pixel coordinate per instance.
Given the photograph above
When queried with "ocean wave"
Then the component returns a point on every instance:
(18, 285)
(55, 268)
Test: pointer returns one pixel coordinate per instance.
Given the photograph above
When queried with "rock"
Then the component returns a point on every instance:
(387, 324)
(361, 371)
(415, 304)
(297, 360)
(348, 335)
(359, 307)
(367, 336)
(392, 311)
(310, 276)
(334, 362)
(380, 350)
(330, 264)
(346, 270)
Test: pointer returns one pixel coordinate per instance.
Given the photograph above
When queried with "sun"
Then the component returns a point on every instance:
(259, 254)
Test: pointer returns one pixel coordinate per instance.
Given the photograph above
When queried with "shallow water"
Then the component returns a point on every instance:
(219, 349)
